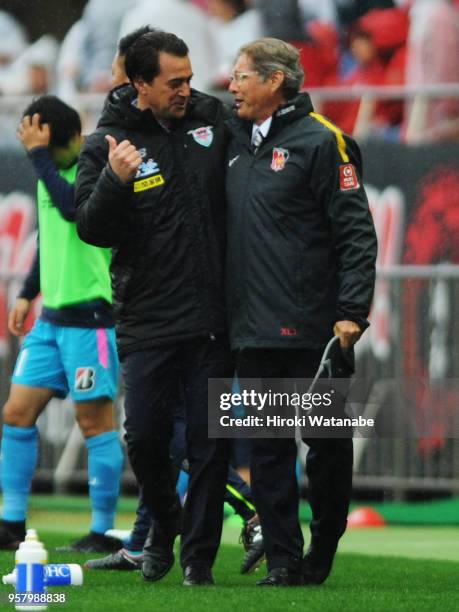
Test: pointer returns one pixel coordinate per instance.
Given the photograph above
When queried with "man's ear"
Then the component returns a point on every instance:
(139, 84)
(276, 79)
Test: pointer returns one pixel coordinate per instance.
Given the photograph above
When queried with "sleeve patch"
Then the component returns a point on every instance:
(348, 177)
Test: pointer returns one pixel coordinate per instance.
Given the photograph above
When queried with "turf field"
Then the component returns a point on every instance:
(391, 568)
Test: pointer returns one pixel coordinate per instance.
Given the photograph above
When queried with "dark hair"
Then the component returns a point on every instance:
(127, 41)
(63, 120)
(142, 57)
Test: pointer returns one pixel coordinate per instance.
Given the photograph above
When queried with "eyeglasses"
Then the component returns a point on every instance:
(240, 77)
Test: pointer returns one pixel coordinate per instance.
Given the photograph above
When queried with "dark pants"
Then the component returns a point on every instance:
(242, 507)
(154, 381)
(273, 460)
(235, 488)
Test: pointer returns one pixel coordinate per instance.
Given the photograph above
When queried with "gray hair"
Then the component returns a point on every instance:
(270, 54)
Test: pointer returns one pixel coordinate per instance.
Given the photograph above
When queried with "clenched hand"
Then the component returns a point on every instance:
(348, 332)
(124, 158)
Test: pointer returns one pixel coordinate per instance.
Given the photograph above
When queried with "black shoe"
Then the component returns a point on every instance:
(252, 540)
(121, 560)
(156, 564)
(12, 533)
(158, 555)
(282, 576)
(93, 543)
(197, 575)
(317, 563)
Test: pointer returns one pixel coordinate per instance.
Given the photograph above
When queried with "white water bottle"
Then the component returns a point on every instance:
(31, 557)
(56, 574)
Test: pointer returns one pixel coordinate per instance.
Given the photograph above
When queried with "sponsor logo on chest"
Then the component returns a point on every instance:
(233, 160)
(148, 174)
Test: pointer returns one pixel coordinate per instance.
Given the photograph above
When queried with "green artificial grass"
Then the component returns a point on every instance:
(388, 568)
(358, 582)
(436, 512)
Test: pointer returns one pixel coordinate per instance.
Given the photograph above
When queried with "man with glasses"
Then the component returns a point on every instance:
(301, 250)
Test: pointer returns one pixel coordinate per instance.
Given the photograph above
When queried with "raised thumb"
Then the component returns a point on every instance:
(112, 144)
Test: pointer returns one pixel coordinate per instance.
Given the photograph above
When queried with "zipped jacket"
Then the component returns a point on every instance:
(301, 242)
(165, 227)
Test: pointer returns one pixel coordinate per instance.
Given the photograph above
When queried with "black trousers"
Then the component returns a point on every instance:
(273, 460)
(154, 381)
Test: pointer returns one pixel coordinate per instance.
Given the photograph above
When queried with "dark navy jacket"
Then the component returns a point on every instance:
(166, 227)
(300, 237)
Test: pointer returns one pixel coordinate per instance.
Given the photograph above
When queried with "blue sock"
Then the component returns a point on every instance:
(182, 485)
(105, 462)
(19, 459)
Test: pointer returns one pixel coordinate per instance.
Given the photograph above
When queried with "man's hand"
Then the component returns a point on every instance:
(348, 332)
(124, 159)
(17, 316)
(32, 133)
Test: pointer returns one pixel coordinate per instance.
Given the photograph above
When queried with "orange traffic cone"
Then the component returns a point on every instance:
(365, 517)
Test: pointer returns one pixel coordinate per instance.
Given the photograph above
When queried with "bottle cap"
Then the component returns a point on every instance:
(77, 574)
(10, 578)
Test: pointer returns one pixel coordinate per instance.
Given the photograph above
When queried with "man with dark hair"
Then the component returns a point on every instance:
(151, 186)
(71, 348)
(238, 493)
(301, 266)
(119, 76)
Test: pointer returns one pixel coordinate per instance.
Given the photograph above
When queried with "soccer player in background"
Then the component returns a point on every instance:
(71, 348)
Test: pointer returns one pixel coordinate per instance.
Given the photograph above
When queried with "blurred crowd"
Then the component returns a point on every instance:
(342, 43)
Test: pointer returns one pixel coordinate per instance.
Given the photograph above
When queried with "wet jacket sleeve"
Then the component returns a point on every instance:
(338, 187)
(101, 197)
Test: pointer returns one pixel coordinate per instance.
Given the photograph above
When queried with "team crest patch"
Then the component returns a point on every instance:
(348, 177)
(203, 135)
(85, 379)
(280, 157)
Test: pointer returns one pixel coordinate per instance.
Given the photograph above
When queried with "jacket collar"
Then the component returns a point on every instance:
(120, 110)
(290, 111)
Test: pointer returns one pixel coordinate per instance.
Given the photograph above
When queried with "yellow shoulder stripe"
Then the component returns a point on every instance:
(338, 134)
